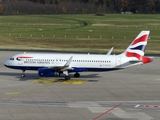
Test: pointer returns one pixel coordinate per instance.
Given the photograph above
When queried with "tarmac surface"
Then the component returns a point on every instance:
(128, 94)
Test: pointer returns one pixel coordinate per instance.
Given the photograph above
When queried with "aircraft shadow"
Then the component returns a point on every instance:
(29, 76)
(32, 76)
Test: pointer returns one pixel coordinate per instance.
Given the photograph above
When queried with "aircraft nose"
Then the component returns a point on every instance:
(6, 63)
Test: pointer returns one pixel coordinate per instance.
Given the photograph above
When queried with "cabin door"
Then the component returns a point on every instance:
(118, 61)
(20, 62)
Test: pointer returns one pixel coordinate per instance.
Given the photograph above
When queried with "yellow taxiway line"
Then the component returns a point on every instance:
(45, 81)
(12, 93)
(48, 81)
(78, 82)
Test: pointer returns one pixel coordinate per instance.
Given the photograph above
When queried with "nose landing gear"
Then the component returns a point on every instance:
(23, 74)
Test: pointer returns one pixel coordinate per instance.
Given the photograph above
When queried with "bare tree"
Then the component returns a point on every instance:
(78, 6)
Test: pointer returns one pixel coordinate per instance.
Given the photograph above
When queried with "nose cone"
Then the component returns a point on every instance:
(6, 63)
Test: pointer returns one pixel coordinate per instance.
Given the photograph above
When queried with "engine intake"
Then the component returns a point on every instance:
(45, 72)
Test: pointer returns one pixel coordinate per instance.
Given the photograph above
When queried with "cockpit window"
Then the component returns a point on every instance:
(11, 58)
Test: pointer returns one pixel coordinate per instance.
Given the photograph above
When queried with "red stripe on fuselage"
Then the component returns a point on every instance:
(25, 57)
(141, 39)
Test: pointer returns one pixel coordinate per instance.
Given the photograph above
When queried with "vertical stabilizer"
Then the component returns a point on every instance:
(137, 47)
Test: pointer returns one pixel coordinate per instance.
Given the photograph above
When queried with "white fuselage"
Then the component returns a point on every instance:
(90, 62)
(51, 65)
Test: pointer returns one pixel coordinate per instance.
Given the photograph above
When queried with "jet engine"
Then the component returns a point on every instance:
(45, 72)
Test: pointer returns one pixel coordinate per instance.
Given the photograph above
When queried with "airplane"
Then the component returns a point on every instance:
(52, 65)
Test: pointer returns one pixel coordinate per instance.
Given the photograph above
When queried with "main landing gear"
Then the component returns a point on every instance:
(76, 75)
(23, 74)
(67, 77)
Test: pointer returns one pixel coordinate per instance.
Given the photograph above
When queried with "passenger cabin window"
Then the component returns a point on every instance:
(11, 58)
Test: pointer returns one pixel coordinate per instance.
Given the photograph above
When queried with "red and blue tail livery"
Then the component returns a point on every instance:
(138, 46)
(58, 64)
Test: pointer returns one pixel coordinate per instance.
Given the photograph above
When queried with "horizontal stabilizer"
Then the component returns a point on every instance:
(135, 61)
(144, 60)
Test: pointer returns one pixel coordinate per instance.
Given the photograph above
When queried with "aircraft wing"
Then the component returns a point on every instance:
(64, 67)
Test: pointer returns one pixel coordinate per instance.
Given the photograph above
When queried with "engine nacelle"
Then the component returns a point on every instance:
(44, 72)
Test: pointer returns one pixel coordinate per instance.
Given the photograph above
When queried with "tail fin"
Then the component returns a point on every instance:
(137, 47)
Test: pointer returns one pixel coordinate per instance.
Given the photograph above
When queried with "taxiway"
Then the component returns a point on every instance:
(128, 94)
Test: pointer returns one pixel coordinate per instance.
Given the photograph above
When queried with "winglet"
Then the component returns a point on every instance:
(68, 62)
(109, 52)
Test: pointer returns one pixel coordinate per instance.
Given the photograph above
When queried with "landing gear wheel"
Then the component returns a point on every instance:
(67, 78)
(22, 75)
(76, 75)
